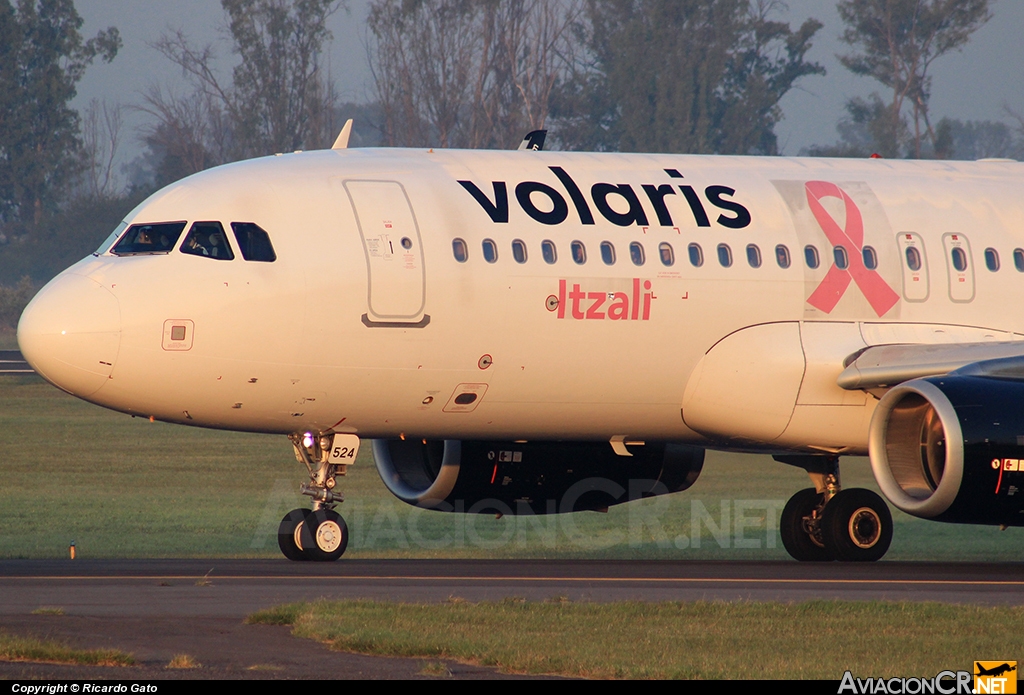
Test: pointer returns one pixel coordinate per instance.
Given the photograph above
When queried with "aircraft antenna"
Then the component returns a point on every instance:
(342, 142)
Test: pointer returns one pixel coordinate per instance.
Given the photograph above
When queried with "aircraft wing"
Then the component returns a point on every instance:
(882, 366)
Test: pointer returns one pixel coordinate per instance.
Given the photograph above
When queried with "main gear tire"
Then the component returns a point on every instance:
(801, 535)
(856, 526)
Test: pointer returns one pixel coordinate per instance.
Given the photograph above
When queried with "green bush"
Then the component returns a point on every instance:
(60, 240)
(13, 301)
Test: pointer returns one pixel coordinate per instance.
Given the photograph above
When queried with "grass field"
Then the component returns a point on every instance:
(125, 487)
(670, 639)
(15, 648)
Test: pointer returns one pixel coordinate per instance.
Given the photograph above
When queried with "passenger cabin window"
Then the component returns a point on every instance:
(811, 257)
(667, 255)
(253, 242)
(490, 250)
(1018, 259)
(519, 250)
(913, 259)
(782, 256)
(696, 255)
(842, 259)
(724, 255)
(959, 258)
(148, 238)
(207, 239)
(753, 256)
(548, 251)
(992, 259)
(870, 257)
(636, 253)
(579, 252)
(459, 250)
(607, 253)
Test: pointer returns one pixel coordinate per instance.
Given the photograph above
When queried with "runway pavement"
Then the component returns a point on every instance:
(237, 587)
(158, 608)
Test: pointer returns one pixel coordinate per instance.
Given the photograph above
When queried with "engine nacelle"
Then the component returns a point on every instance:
(952, 449)
(532, 477)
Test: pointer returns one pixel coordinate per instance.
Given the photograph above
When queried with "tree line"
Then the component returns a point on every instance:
(695, 76)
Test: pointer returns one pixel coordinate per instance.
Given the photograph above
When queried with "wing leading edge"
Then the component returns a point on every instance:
(882, 366)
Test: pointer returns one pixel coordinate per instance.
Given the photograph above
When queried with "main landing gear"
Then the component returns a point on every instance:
(828, 523)
(319, 533)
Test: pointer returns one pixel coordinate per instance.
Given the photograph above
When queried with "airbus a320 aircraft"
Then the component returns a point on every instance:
(548, 332)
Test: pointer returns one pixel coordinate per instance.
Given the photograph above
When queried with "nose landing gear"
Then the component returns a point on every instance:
(319, 533)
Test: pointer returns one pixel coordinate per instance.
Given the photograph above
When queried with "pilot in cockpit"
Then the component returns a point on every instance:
(206, 240)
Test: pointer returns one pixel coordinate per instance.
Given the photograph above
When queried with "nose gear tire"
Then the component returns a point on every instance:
(289, 532)
(324, 536)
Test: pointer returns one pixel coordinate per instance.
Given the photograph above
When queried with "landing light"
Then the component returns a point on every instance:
(307, 440)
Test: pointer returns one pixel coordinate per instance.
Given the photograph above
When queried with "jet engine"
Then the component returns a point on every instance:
(951, 448)
(531, 477)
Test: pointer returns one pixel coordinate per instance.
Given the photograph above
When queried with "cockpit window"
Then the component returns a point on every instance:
(253, 243)
(148, 238)
(207, 239)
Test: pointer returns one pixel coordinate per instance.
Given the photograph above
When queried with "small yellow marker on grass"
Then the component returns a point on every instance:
(71, 550)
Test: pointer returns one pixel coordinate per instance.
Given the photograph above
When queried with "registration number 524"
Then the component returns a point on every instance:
(344, 449)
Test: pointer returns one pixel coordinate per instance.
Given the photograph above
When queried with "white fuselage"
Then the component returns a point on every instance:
(348, 331)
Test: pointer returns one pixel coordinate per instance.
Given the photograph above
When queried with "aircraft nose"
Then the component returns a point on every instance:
(70, 333)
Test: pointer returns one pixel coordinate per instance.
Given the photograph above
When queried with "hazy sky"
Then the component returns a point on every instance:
(971, 85)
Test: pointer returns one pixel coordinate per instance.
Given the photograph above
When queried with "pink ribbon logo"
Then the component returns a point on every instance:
(833, 287)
